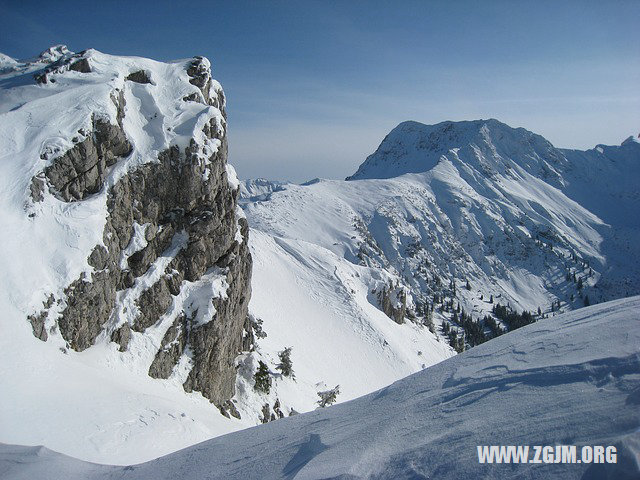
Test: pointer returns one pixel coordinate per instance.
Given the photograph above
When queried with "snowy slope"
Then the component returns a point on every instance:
(568, 380)
(606, 181)
(320, 304)
(100, 404)
(325, 255)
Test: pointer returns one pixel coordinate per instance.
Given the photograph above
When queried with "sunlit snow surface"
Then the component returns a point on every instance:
(571, 380)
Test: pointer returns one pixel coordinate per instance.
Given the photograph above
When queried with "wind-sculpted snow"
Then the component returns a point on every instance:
(568, 380)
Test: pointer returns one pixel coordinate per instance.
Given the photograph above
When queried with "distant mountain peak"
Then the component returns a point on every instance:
(631, 140)
(53, 53)
(413, 147)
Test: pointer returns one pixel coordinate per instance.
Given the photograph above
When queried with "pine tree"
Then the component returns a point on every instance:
(328, 397)
(539, 311)
(491, 299)
(262, 379)
(587, 302)
(286, 366)
(468, 286)
(580, 283)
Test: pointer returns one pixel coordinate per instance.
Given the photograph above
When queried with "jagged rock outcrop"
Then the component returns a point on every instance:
(393, 302)
(174, 255)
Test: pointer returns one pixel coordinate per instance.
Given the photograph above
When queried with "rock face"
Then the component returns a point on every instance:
(393, 302)
(174, 257)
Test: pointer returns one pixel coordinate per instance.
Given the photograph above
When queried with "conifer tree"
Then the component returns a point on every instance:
(286, 366)
(328, 397)
(262, 379)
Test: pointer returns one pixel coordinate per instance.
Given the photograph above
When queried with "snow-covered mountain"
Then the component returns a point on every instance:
(467, 216)
(567, 380)
(127, 269)
(483, 204)
(485, 154)
(132, 324)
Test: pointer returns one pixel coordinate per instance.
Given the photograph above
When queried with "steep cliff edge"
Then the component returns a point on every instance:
(124, 213)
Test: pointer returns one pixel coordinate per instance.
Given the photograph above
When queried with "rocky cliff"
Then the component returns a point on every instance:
(164, 272)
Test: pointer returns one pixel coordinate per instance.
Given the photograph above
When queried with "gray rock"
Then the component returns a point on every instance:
(121, 336)
(81, 66)
(153, 303)
(391, 308)
(171, 349)
(228, 409)
(99, 258)
(89, 306)
(141, 76)
(37, 324)
(37, 189)
(81, 171)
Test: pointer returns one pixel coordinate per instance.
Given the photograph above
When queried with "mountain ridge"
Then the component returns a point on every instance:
(414, 147)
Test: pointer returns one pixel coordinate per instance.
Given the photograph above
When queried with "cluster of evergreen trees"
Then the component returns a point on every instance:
(512, 319)
(262, 377)
(475, 331)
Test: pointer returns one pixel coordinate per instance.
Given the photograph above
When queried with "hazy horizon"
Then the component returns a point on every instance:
(313, 87)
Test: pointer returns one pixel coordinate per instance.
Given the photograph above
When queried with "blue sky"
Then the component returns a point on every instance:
(313, 87)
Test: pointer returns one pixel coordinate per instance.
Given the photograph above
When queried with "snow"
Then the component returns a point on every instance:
(488, 213)
(461, 229)
(567, 380)
(471, 202)
(100, 405)
(138, 242)
(232, 177)
(46, 118)
(258, 189)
